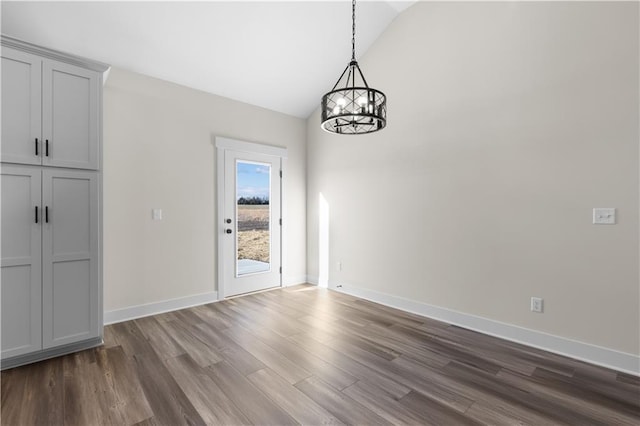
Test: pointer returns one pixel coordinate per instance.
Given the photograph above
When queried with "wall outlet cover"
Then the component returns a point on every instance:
(604, 216)
(536, 304)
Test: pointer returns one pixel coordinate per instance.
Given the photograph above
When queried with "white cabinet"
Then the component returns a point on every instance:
(50, 258)
(70, 116)
(21, 107)
(70, 250)
(51, 112)
(50, 178)
(21, 265)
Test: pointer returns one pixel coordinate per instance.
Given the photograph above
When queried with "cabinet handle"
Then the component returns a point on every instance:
(36, 148)
(46, 147)
(46, 214)
(36, 214)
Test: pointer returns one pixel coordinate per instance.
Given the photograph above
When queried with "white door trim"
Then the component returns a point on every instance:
(257, 148)
(226, 144)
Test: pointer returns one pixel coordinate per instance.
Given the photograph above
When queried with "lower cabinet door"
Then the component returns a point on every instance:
(21, 260)
(70, 257)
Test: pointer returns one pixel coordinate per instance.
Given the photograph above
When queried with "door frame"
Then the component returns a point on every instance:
(224, 144)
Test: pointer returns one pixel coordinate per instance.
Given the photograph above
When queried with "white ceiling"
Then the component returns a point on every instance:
(278, 55)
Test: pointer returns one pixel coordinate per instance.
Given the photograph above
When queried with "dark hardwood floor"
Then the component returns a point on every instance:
(310, 356)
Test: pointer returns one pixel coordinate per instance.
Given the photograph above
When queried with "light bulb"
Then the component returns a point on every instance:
(336, 110)
(341, 102)
(362, 101)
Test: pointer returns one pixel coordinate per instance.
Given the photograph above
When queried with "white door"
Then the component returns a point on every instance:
(250, 226)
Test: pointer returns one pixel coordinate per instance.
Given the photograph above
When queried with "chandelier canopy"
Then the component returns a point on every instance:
(352, 107)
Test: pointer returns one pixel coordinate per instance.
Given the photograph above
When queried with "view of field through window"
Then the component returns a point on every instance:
(253, 182)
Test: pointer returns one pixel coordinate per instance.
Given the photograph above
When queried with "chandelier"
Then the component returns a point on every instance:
(352, 107)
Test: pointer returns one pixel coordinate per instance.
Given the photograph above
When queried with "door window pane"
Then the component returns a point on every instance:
(253, 214)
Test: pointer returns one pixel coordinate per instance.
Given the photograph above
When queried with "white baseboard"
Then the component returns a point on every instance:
(139, 311)
(295, 280)
(313, 280)
(593, 354)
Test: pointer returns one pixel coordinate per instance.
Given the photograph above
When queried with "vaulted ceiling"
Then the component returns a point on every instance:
(278, 55)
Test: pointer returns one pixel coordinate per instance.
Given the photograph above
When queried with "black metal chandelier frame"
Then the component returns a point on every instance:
(354, 108)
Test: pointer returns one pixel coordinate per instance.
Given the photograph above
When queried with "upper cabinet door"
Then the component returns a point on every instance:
(21, 111)
(71, 116)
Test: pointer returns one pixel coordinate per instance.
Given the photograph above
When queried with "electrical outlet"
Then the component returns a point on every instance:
(536, 304)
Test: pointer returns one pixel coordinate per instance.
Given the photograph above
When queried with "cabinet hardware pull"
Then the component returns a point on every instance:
(46, 147)
(36, 214)
(36, 147)
(46, 214)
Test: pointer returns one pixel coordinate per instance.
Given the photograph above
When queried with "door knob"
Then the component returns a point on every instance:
(228, 231)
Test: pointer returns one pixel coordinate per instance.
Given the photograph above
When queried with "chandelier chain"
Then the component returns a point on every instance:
(353, 30)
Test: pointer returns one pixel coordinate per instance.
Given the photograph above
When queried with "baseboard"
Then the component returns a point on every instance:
(139, 311)
(295, 280)
(50, 353)
(593, 354)
(313, 280)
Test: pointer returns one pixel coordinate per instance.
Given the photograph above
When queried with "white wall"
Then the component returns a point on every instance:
(508, 122)
(159, 153)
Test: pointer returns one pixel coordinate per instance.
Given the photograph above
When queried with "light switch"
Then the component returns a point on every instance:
(156, 214)
(604, 216)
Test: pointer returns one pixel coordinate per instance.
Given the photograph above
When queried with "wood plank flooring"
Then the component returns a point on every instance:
(305, 355)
